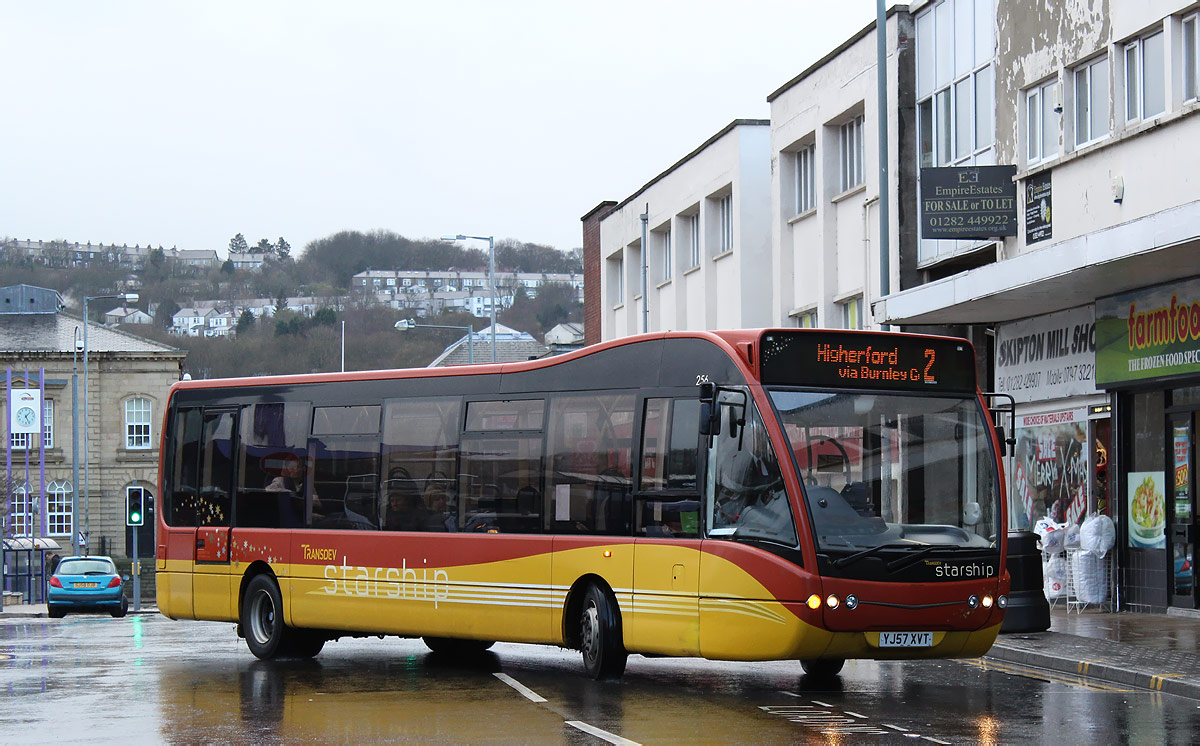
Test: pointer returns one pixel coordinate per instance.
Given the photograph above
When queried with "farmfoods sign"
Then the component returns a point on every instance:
(968, 202)
(1148, 333)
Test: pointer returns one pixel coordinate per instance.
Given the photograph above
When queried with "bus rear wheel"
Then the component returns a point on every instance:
(456, 647)
(823, 668)
(600, 641)
(262, 619)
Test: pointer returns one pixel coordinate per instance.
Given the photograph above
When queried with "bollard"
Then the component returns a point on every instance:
(1028, 610)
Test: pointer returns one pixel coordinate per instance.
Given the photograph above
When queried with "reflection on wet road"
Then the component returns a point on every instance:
(149, 679)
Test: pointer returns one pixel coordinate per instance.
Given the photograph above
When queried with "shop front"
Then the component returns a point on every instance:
(1148, 357)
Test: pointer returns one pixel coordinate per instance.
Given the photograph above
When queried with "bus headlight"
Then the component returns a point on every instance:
(973, 601)
(987, 602)
(852, 602)
(814, 602)
(1002, 602)
(833, 601)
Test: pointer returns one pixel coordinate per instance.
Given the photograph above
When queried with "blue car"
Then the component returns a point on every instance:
(86, 584)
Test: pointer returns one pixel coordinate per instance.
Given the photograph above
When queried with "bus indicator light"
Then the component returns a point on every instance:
(832, 601)
(814, 602)
(607, 552)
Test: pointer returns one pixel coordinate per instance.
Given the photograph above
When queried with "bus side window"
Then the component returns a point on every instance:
(420, 456)
(588, 463)
(183, 490)
(272, 457)
(216, 470)
(670, 441)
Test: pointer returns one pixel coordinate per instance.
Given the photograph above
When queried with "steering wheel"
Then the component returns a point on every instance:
(811, 478)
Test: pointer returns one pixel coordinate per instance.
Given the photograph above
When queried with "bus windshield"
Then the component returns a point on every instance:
(892, 471)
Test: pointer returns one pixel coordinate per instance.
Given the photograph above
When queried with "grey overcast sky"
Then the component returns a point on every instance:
(182, 124)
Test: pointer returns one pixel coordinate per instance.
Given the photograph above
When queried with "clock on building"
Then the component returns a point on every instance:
(26, 416)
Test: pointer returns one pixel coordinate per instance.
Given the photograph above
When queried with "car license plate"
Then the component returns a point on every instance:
(905, 639)
(87, 585)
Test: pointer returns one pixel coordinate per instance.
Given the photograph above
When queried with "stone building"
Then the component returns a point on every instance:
(41, 347)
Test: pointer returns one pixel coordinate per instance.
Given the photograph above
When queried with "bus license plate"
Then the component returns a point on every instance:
(905, 639)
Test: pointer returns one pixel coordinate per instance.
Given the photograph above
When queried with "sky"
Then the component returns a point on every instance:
(184, 123)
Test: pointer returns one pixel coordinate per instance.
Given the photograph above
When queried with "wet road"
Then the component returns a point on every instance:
(146, 679)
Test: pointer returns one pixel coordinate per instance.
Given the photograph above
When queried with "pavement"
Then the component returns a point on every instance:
(1158, 652)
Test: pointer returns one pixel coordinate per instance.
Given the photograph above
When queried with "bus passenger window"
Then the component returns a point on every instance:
(272, 449)
(345, 482)
(420, 454)
(495, 484)
(589, 445)
(216, 470)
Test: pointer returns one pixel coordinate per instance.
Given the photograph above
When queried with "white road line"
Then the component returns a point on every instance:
(592, 730)
(856, 715)
(931, 738)
(525, 691)
(819, 703)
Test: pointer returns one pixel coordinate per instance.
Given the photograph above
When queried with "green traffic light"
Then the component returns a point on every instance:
(135, 516)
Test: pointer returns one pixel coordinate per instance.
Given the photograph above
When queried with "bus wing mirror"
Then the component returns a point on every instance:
(710, 412)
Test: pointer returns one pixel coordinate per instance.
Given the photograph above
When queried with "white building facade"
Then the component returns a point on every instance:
(825, 186)
(708, 241)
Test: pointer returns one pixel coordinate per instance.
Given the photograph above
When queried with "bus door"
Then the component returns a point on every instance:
(666, 560)
(214, 588)
(177, 534)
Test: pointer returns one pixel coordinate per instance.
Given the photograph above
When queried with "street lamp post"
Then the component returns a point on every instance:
(128, 298)
(491, 277)
(406, 324)
(78, 347)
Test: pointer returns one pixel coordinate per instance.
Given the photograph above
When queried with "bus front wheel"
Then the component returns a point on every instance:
(600, 641)
(262, 618)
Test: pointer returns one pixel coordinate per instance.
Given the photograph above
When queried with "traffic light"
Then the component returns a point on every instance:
(134, 515)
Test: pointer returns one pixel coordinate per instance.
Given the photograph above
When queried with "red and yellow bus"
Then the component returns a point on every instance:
(772, 494)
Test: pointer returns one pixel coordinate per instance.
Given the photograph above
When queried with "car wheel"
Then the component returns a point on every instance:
(823, 668)
(55, 613)
(121, 610)
(262, 618)
(600, 641)
(457, 647)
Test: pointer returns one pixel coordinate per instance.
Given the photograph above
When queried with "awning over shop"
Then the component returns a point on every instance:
(1070, 273)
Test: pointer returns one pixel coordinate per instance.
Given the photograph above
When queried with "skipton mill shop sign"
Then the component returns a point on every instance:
(968, 202)
(1048, 357)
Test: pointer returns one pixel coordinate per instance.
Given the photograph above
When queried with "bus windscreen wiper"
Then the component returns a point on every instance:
(851, 559)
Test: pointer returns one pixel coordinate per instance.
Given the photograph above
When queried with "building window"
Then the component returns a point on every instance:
(21, 441)
(850, 144)
(852, 313)
(19, 519)
(955, 80)
(806, 320)
(666, 253)
(693, 227)
(725, 223)
(137, 423)
(1091, 101)
(58, 508)
(1145, 78)
(1191, 58)
(616, 279)
(806, 187)
(1041, 122)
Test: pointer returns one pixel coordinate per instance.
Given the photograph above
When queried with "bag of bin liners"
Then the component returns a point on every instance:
(1091, 580)
(1097, 534)
(1052, 541)
(1071, 538)
(1055, 572)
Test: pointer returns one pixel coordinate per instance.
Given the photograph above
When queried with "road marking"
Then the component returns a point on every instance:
(592, 730)
(1156, 682)
(525, 691)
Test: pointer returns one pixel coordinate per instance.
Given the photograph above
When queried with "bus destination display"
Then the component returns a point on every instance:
(865, 360)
